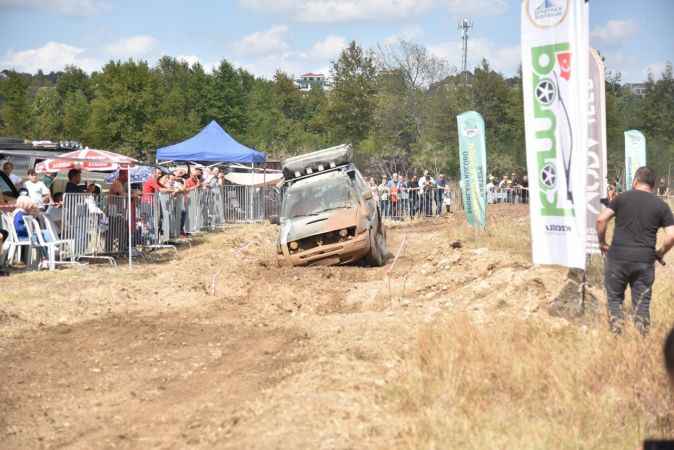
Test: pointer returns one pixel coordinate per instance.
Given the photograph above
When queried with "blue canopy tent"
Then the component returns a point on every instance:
(212, 144)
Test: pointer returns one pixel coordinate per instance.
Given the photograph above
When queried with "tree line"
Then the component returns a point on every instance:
(396, 104)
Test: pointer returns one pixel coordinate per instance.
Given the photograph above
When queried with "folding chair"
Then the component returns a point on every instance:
(14, 243)
(37, 238)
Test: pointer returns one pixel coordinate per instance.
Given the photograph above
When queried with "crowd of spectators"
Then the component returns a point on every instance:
(400, 196)
(39, 198)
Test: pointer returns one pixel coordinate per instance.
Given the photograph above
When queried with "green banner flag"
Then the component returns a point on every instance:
(473, 163)
(635, 154)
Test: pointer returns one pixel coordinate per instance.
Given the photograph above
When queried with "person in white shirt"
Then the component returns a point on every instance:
(37, 190)
(426, 185)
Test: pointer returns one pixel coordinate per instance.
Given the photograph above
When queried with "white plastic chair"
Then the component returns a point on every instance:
(36, 237)
(15, 244)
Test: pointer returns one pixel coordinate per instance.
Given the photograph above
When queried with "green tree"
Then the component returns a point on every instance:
(74, 79)
(351, 106)
(125, 102)
(15, 113)
(46, 114)
(75, 115)
(227, 99)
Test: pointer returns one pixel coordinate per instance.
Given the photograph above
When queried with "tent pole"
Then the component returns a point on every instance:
(128, 199)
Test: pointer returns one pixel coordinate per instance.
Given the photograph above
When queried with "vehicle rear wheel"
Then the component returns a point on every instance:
(377, 255)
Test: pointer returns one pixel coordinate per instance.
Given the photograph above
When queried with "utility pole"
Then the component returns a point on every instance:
(465, 25)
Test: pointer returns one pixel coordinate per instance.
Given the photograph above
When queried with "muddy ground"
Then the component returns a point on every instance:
(222, 347)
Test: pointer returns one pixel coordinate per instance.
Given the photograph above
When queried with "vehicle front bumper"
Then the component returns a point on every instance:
(342, 252)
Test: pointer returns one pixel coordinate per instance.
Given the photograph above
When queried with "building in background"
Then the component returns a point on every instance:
(638, 89)
(310, 80)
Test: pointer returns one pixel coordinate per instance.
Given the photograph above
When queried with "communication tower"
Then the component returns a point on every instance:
(465, 25)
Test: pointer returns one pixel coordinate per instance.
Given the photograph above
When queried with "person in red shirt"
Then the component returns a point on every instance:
(153, 185)
(194, 181)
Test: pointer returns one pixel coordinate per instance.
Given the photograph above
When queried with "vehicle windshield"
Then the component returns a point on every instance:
(318, 194)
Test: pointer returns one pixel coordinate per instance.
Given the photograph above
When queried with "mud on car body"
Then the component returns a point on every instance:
(328, 215)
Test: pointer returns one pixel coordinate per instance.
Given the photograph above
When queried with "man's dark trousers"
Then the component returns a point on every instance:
(640, 277)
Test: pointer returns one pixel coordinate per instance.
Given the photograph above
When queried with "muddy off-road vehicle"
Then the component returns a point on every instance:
(328, 215)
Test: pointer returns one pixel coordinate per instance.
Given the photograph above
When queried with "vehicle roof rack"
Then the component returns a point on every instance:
(318, 161)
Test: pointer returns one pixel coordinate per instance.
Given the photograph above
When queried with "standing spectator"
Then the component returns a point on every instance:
(373, 188)
(404, 196)
(663, 189)
(426, 193)
(383, 191)
(447, 199)
(490, 189)
(440, 185)
(525, 189)
(8, 168)
(155, 184)
(394, 196)
(194, 181)
(37, 191)
(73, 185)
(618, 185)
(118, 187)
(48, 180)
(631, 258)
(414, 191)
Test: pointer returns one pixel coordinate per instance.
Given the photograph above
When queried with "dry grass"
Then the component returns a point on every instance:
(527, 384)
(523, 385)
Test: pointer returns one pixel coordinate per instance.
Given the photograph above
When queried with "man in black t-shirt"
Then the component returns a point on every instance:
(631, 258)
(73, 185)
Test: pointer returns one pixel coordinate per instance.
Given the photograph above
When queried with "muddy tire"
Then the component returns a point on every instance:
(378, 251)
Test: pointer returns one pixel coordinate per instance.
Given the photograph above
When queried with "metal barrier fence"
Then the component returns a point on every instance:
(250, 204)
(99, 225)
(508, 195)
(413, 202)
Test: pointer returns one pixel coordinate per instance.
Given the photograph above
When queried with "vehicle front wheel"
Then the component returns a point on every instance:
(377, 255)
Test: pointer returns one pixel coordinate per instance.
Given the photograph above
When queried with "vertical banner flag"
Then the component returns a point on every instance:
(596, 188)
(473, 163)
(635, 154)
(555, 57)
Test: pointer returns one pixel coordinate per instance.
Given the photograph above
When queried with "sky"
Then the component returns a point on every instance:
(300, 36)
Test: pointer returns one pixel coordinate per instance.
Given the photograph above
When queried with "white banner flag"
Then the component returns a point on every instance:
(596, 149)
(635, 155)
(555, 56)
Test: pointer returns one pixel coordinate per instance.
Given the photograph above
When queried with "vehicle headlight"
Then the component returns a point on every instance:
(343, 233)
(294, 245)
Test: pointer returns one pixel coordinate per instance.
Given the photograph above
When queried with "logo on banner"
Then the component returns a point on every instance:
(471, 132)
(552, 66)
(547, 13)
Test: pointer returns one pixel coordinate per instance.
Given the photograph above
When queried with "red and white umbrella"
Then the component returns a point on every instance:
(87, 159)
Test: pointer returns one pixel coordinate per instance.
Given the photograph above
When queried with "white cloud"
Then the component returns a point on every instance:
(613, 33)
(66, 7)
(477, 7)
(328, 11)
(134, 46)
(655, 69)
(502, 59)
(327, 49)
(410, 33)
(53, 56)
(193, 59)
(263, 43)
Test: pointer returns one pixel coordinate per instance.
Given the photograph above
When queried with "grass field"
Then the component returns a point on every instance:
(520, 383)
(453, 346)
